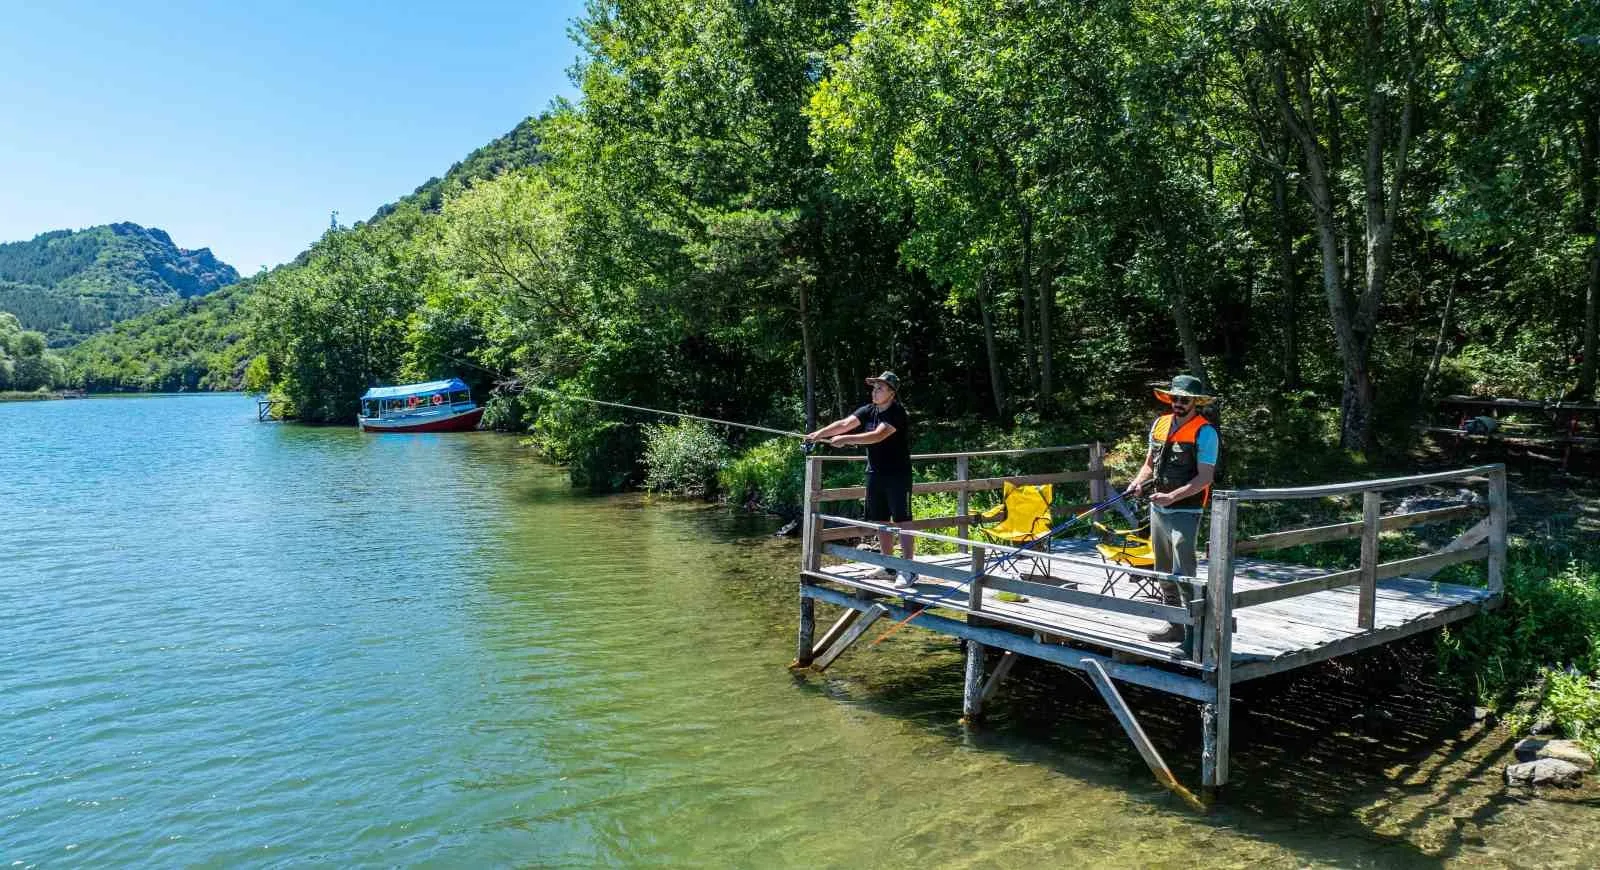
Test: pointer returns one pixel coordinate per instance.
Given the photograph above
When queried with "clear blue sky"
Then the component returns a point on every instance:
(240, 126)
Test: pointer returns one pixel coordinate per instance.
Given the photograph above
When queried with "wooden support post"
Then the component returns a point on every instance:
(1147, 750)
(963, 471)
(1367, 601)
(1098, 488)
(1002, 669)
(850, 637)
(808, 625)
(972, 691)
(1497, 530)
(1219, 642)
(811, 531)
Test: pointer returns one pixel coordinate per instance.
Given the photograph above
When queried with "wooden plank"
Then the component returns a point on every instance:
(1127, 672)
(1366, 604)
(1499, 508)
(1346, 531)
(1334, 489)
(1325, 582)
(872, 614)
(835, 631)
(1002, 669)
(808, 624)
(1363, 640)
(1098, 489)
(1148, 610)
(1130, 725)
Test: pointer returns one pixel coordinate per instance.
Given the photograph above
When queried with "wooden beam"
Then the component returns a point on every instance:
(1002, 669)
(1345, 531)
(963, 498)
(872, 614)
(1333, 489)
(835, 631)
(998, 638)
(1367, 599)
(1130, 724)
(803, 653)
(811, 545)
(1146, 609)
(1418, 567)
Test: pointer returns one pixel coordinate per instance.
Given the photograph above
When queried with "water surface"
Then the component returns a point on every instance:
(234, 643)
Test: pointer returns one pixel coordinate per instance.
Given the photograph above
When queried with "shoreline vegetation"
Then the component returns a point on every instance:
(1030, 213)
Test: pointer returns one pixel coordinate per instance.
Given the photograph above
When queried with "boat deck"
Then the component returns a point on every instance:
(1269, 638)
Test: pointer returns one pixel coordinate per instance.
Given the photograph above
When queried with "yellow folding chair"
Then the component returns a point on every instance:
(1021, 518)
(1126, 549)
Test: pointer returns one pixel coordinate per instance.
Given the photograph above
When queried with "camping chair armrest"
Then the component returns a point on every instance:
(992, 515)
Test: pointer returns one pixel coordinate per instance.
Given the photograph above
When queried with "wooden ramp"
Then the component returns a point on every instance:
(1244, 616)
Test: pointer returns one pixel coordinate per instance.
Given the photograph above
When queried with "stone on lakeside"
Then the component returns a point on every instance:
(1545, 771)
(1533, 748)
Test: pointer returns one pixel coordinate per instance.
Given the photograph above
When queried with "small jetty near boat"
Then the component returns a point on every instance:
(435, 406)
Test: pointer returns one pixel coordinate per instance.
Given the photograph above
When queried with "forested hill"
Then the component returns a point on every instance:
(201, 344)
(69, 284)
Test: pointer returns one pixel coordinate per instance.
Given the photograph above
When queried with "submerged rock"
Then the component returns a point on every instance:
(1533, 748)
(1545, 771)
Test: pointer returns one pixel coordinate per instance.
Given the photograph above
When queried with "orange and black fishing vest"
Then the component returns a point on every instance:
(1179, 460)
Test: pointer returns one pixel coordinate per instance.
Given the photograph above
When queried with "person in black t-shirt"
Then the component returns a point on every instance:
(886, 432)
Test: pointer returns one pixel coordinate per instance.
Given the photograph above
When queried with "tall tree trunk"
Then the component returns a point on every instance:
(1288, 271)
(1046, 385)
(1029, 349)
(986, 311)
(1438, 345)
(838, 393)
(1179, 298)
(810, 359)
(1589, 222)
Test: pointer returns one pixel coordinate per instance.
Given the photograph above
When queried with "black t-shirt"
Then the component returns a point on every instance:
(892, 455)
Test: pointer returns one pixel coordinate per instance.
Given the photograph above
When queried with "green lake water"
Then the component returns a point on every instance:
(229, 643)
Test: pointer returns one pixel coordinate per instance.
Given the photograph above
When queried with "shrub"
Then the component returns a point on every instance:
(770, 475)
(683, 459)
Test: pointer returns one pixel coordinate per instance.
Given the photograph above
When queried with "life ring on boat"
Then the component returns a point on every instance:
(411, 402)
(438, 399)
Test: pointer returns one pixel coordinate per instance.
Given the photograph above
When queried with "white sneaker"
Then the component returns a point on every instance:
(880, 574)
(904, 580)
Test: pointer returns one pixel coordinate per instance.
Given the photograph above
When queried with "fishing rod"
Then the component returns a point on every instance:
(1007, 559)
(783, 432)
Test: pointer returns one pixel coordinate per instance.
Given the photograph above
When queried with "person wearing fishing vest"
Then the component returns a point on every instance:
(1180, 465)
(886, 433)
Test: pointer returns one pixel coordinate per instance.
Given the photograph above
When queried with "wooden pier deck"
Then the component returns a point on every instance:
(1246, 616)
(1270, 638)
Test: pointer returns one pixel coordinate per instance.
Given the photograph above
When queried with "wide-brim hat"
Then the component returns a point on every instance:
(1187, 386)
(888, 379)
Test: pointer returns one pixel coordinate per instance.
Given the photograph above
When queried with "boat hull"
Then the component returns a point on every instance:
(464, 421)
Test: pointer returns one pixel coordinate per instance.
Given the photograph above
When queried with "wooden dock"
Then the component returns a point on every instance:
(1250, 616)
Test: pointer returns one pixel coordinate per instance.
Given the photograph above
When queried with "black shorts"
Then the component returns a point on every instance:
(888, 496)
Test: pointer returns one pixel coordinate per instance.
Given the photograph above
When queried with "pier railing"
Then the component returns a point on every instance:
(1485, 541)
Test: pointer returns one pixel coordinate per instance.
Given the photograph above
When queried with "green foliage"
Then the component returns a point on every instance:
(25, 364)
(770, 476)
(1551, 617)
(196, 344)
(683, 458)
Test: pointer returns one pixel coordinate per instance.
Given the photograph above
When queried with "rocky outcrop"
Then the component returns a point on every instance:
(1535, 748)
(1543, 772)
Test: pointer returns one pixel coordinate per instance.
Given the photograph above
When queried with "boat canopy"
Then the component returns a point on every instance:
(403, 390)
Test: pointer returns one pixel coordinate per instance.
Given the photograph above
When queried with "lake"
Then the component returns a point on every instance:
(239, 643)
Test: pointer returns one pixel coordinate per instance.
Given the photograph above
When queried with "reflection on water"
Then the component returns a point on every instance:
(233, 642)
